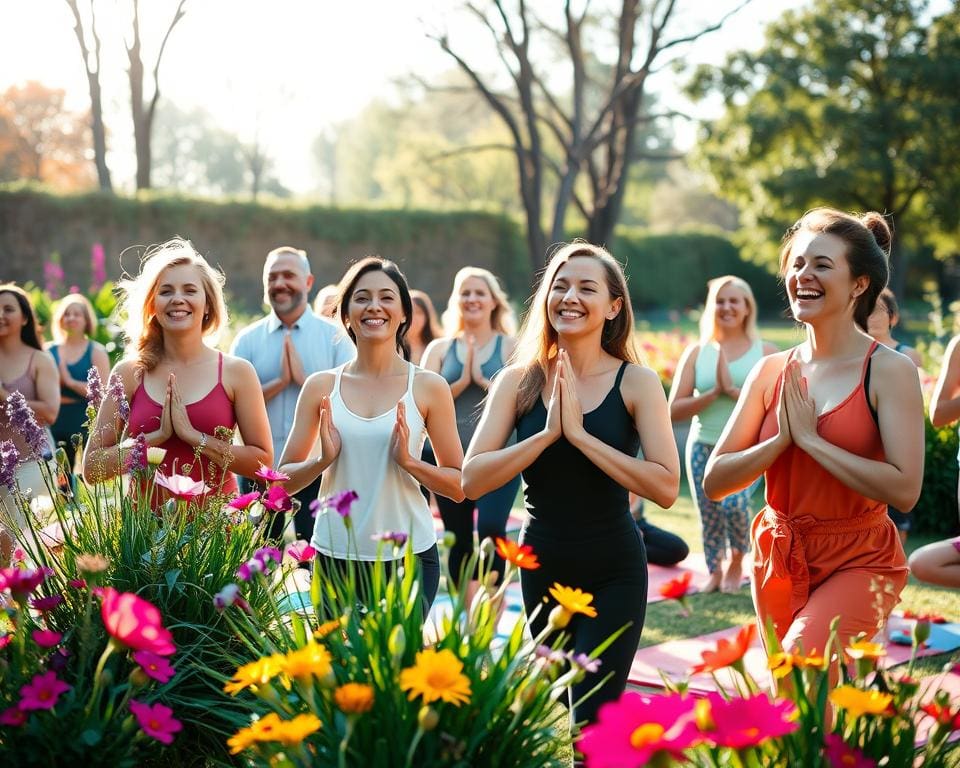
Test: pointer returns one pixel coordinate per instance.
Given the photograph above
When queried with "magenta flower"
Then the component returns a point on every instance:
(44, 604)
(397, 538)
(271, 475)
(842, 755)
(154, 666)
(740, 723)
(98, 267)
(22, 581)
(341, 502)
(301, 551)
(633, 730)
(46, 638)
(244, 501)
(182, 487)
(116, 391)
(277, 499)
(9, 461)
(135, 623)
(42, 692)
(157, 721)
(77, 583)
(13, 717)
(5, 640)
(230, 595)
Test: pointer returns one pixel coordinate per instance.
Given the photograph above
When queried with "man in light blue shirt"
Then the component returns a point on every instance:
(285, 347)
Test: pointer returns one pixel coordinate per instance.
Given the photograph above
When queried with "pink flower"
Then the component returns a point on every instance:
(842, 755)
(13, 717)
(46, 638)
(301, 551)
(244, 501)
(154, 666)
(182, 487)
(740, 723)
(341, 502)
(631, 731)
(157, 721)
(135, 623)
(5, 640)
(271, 475)
(77, 583)
(42, 692)
(22, 581)
(44, 604)
(277, 499)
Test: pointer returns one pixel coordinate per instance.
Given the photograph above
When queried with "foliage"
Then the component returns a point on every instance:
(849, 103)
(936, 511)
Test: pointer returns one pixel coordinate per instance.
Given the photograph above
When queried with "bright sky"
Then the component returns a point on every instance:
(284, 68)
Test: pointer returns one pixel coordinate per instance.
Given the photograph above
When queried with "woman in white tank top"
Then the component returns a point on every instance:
(362, 426)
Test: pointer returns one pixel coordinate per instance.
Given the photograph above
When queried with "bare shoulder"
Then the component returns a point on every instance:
(770, 348)
(45, 361)
(640, 379)
(888, 363)
(438, 346)
(129, 372)
(319, 384)
(429, 382)
(238, 368)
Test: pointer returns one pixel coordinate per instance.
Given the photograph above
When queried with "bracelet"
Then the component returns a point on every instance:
(203, 441)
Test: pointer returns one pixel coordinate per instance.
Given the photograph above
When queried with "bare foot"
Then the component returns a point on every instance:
(733, 579)
(713, 583)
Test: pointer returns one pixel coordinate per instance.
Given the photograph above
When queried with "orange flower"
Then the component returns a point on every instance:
(354, 698)
(863, 649)
(728, 653)
(520, 555)
(677, 588)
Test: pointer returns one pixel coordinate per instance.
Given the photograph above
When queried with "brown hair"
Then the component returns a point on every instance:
(868, 238)
(30, 332)
(537, 342)
(431, 327)
(348, 284)
(89, 317)
(890, 302)
(143, 333)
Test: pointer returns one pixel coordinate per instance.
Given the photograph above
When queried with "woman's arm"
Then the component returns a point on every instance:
(305, 457)
(656, 476)
(684, 404)
(488, 464)
(433, 361)
(945, 403)
(738, 458)
(47, 382)
(897, 480)
(441, 422)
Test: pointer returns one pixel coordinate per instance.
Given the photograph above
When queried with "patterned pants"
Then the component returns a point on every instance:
(724, 522)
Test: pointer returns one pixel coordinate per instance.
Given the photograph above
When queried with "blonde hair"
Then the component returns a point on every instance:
(89, 316)
(331, 291)
(501, 319)
(537, 344)
(143, 333)
(708, 320)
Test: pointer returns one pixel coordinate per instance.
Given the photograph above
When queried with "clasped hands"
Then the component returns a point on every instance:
(724, 385)
(174, 420)
(472, 370)
(331, 443)
(291, 366)
(564, 412)
(796, 410)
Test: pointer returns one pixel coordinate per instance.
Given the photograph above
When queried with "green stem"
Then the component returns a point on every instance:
(98, 675)
(413, 748)
(342, 751)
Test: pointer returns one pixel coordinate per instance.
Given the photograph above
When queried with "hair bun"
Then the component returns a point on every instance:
(880, 228)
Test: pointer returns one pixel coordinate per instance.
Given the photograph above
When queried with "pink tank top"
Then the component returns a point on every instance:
(26, 386)
(214, 410)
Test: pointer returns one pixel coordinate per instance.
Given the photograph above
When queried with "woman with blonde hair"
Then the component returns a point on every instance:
(835, 425)
(184, 396)
(75, 353)
(478, 323)
(583, 406)
(705, 390)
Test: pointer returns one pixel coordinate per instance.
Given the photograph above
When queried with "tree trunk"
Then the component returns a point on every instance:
(899, 259)
(99, 133)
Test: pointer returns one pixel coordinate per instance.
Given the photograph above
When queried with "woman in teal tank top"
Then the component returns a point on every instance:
(705, 390)
(75, 353)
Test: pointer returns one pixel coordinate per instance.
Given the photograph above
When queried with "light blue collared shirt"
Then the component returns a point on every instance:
(322, 345)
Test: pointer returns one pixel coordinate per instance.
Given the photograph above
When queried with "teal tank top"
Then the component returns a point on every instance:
(707, 425)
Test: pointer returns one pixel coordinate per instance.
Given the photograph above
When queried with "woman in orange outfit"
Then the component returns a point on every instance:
(836, 426)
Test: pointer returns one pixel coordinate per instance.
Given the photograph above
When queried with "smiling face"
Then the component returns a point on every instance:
(374, 309)
(74, 319)
(286, 284)
(579, 301)
(180, 302)
(732, 308)
(12, 319)
(476, 302)
(818, 279)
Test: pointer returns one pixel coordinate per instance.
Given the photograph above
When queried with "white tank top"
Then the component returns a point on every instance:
(389, 497)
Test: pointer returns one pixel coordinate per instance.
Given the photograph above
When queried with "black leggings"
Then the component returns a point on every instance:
(302, 521)
(612, 566)
(493, 510)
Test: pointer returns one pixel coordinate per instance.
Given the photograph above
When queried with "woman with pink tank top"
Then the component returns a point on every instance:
(836, 427)
(363, 424)
(184, 395)
(25, 439)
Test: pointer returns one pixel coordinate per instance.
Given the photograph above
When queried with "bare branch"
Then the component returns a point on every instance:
(179, 14)
(469, 150)
(706, 30)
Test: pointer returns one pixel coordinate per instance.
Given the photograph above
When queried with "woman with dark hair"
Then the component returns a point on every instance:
(184, 395)
(582, 406)
(27, 370)
(883, 320)
(362, 426)
(424, 327)
(836, 427)
(75, 353)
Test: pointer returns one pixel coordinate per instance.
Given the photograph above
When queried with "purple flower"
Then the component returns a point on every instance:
(265, 554)
(23, 420)
(584, 662)
(397, 538)
(9, 459)
(137, 459)
(341, 502)
(44, 604)
(277, 499)
(116, 392)
(226, 596)
(94, 387)
(98, 267)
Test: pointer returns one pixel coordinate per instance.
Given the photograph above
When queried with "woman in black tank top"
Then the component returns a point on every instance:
(582, 406)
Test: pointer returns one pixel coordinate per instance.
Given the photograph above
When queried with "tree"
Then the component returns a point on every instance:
(594, 124)
(91, 65)
(850, 103)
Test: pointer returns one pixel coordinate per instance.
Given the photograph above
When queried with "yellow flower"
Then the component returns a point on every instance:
(156, 455)
(354, 698)
(259, 672)
(781, 664)
(313, 660)
(866, 650)
(326, 628)
(573, 600)
(858, 702)
(271, 728)
(436, 675)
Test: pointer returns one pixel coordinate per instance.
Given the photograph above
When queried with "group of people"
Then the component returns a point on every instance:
(369, 392)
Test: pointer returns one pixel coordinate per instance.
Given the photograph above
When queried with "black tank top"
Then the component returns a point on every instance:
(565, 492)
